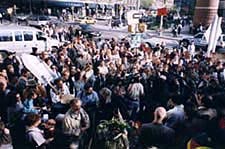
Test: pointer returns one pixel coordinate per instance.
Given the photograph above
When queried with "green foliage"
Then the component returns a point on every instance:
(108, 130)
(113, 134)
(146, 3)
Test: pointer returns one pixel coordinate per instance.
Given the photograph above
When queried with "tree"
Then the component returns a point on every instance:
(146, 3)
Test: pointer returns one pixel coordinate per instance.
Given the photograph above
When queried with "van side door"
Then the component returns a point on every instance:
(19, 43)
(41, 42)
(28, 41)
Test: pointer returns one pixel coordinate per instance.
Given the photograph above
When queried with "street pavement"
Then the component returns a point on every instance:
(166, 37)
(120, 32)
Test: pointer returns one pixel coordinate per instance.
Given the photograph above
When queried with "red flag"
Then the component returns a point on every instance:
(162, 12)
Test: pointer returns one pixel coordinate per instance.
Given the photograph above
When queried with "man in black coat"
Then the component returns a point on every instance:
(156, 133)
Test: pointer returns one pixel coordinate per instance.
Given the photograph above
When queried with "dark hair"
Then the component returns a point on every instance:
(58, 80)
(177, 99)
(31, 93)
(24, 70)
(31, 119)
(74, 101)
(87, 86)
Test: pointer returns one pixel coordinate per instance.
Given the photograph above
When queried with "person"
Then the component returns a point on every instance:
(179, 28)
(34, 135)
(60, 90)
(191, 49)
(90, 101)
(135, 93)
(1, 18)
(34, 51)
(106, 108)
(5, 137)
(28, 104)
(3, 96)
(174, 31)
(88, 96)
(156, 133)
(75, 124)
(176, 115)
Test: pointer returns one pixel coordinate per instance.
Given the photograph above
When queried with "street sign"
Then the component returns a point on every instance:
(137, 15)
(162, 12)
(133, 17)
(136, 40)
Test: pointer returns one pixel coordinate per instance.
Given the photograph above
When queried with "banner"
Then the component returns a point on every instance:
(38, 68)
(162, 12)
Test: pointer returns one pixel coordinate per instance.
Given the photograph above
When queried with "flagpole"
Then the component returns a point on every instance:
(212, 35)
(161, 21)
(161, 25)
(217, 34)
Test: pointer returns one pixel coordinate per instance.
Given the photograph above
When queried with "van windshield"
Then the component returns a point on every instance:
(40, 36)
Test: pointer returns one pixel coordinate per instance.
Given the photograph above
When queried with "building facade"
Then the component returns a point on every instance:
(205, 10)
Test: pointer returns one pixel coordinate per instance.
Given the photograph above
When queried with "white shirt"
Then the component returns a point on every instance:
(35, 135)
(135, 90)
(56, 98)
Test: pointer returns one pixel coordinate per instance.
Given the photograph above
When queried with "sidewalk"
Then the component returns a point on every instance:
(167, 34)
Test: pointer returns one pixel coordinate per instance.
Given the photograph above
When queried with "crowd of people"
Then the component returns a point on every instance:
(171, 98)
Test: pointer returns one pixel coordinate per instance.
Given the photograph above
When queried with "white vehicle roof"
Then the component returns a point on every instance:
(17, 27)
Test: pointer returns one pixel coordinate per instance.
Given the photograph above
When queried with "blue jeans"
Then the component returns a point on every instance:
(134, 106)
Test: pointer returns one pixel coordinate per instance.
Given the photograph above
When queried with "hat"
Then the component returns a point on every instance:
(31, 83)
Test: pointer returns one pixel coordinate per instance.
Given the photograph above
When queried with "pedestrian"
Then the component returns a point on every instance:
(156, 134)
(179, 28)
(191, 49)
(174, 31)
(34, 135)
(135, 93)
(75, 124)
(1, 18)
(5, 137)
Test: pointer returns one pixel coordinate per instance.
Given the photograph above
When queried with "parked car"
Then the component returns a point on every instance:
(21, 39)
(200, 41)
(148, 20)
(135, 40)
(86, 20)
(38, 20)
(88, 31)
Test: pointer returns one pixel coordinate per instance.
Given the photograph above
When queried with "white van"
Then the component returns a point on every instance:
(21, 39)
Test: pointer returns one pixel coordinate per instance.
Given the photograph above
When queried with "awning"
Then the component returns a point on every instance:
(65, 4)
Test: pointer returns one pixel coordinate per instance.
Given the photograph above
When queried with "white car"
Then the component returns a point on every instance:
(200, 41)
(137, 39)
(38, 20)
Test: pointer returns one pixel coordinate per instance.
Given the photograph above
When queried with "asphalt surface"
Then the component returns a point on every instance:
(108, 32)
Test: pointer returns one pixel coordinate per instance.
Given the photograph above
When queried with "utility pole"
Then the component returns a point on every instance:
(161, 21)
(138, 5)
